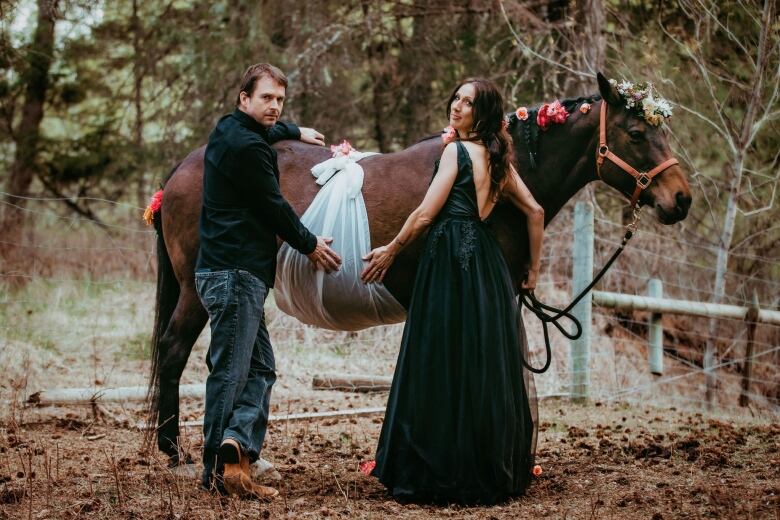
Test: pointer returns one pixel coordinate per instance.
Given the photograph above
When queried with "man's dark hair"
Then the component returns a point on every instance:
(254, 73)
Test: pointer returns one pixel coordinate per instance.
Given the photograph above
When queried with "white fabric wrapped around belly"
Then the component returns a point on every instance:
(340, 300)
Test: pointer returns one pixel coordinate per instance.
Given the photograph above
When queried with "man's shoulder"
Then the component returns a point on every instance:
(237, 138)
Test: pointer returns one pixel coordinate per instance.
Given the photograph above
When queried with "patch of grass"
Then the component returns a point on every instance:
(62, 323)
(341, 349)
(135, 348)
(48, 345)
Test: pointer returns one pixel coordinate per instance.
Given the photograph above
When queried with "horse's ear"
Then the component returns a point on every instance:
(608, 92)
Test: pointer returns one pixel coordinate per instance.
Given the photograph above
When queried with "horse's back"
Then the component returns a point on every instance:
(394, 185)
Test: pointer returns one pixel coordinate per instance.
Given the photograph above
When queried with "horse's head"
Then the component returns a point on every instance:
(642, 145)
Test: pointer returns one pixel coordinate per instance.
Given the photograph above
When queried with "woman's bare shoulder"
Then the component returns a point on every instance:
(475, 147)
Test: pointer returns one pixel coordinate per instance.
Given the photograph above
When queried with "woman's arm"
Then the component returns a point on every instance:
(517, 192)
(382, 257)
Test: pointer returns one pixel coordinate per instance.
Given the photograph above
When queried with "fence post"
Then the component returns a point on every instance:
(655, 346)
(582, 274)
(752, 320)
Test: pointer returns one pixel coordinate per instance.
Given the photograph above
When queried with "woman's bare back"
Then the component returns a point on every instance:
(482, 181)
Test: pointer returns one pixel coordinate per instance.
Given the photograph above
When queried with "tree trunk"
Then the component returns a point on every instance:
(721, 266)
(138, 131)
(741, 144)
(36, 80)
(594, 45)
(376, 52)
(588, 45)
(415, 112)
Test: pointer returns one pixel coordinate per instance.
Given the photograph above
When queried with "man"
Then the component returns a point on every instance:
(243, 212)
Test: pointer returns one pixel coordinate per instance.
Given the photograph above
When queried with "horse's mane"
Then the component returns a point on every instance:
(530, 130)
(569, 104)
(529, 126)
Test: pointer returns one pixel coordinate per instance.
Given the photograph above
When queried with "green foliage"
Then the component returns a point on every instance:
(135, 348)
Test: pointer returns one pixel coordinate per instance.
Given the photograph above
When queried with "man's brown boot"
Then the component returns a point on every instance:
(236, 474)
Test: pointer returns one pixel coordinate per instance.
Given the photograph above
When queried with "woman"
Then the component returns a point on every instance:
(458, 425)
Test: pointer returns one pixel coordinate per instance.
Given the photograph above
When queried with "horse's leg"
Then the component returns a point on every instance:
(187, 322)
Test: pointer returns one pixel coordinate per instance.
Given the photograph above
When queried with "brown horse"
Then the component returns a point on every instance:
(394, 184)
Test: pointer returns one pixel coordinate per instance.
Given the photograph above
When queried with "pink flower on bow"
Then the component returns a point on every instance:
(449, 135)
(550, 113)
(522, 113)
(367, 467)
(585, 108)
(343, 149)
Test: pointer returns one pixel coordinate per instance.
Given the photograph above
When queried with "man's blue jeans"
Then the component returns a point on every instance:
(241, 364)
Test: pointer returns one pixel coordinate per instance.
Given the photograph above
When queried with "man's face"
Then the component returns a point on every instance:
(265, 103)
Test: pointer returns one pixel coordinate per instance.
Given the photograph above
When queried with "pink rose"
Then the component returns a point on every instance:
(550, 113)
(343, 149)
(367, 467)
(522, 113)
(585, 108)
(449, 135)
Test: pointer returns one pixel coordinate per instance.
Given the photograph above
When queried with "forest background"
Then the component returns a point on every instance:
(99, 100)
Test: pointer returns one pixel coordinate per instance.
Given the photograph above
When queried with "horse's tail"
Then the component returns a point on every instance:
(166, 299)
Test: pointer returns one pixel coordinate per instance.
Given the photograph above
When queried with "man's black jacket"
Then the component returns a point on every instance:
(243, 207)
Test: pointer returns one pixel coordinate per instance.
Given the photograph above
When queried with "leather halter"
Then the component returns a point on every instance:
(643, 179)
(528, 298)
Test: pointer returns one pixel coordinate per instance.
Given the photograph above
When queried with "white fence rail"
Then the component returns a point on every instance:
(686, 307)
(654, 303)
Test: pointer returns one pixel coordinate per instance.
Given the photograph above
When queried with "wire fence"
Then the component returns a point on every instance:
(618, 367)
(84, 316)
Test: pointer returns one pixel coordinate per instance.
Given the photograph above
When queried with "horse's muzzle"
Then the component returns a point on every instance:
(676, 213)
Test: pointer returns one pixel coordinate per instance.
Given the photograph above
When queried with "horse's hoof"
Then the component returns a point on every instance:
(262, 470)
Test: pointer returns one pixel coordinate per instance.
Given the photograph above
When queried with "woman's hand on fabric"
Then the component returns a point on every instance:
(379, 261)
(311, 136)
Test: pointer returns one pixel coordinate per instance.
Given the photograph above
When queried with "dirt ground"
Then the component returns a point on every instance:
(598, 460)
(613, 460)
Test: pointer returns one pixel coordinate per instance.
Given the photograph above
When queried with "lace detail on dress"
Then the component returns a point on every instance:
(467, 240)
(436, 233)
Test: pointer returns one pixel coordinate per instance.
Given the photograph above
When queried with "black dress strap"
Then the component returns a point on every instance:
(464, 159)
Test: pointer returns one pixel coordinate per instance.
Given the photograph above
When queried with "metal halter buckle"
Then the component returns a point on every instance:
(643, 181)
(603, 150)
(632, 226)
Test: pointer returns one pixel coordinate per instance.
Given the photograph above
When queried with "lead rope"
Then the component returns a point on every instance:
(528, 299)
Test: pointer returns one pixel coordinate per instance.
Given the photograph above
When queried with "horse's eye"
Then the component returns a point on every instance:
(636, 135)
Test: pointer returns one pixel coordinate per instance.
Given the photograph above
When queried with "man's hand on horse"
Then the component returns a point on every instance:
(311, 136)
(325, 257)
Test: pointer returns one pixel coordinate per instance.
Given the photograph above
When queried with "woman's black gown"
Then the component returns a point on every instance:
(459, 426)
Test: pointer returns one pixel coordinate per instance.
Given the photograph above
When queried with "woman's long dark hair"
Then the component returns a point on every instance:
(489, 127)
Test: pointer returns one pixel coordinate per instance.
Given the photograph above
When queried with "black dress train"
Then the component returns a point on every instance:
(459, 426)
